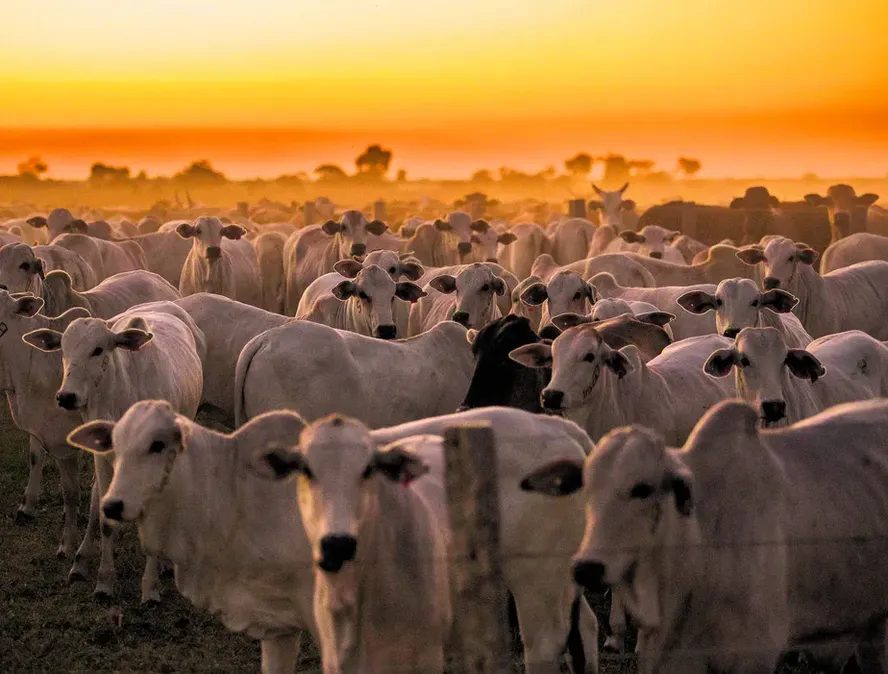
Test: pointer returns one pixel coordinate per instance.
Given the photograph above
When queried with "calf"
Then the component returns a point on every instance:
(466, 297)
(652, 241)
(565, 292)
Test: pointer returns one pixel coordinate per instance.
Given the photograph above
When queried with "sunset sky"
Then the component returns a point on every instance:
(751, 87)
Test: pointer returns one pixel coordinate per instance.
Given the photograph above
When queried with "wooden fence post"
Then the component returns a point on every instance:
(477, 588)
(309, 213)
(379, 210)
(576, 208)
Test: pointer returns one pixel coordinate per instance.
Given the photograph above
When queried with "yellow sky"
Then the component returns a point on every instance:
(501, 67)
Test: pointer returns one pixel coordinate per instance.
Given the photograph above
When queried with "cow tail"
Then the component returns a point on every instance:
(574, 645)
(240, 377)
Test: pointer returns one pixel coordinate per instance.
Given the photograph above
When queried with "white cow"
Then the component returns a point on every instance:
(851, 298)
(22, 267)
(666, 299)
(112, 296)
(789, 384)
(59, 221)
(601, 388)
(570, 240)
(364, 303)
(240, 551)
(652, 241)
(467, 296)
(270, 258)
(488, 245)
(220, 261)
(564, 292)
(738, 303)
(859, 247)
(627, 272)
(151, 351)
(165, 253)
(612, 205)
(530, 242)
(446, 241)
(720, 262)
(316, 370)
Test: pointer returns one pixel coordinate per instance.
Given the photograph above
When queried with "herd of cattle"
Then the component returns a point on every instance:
(607, 354)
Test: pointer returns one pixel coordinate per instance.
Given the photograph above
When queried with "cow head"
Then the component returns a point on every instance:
(566, 292)
(475, 287)
(780, 258)
(847, 210)
(489, 241)
(20, 269)
(353, 230)
(207, 233)
(737, 304)
(395, 265)
(463, 228)
(611, 205)
(373, 293)
(652, 240)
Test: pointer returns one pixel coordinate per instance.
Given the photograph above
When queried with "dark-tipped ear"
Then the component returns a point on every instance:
(279, 464)
(412, 269)
(344, 289)
(186, 230)
(696, 302)
(559, 478)
(331, 228)
(28, 305)
(631, 237)
(660, 318)
(682, 490)
(77, 227)
(867, 199)
(720, 362)
(33, 266)
(37, 221)
(506, 238)
(817, 200)
(480, 226)
(550, 332)
(778, 301)
(347, 268)
(44, 339)
(445, 283)
(534, 294)
(499, 286)
(807, 255)
(94, 436)
(409, 292)
(375, 227)
(233, 232)
(397, 464)
(132, 339)
(751, 255)
(616, 362)
(804, 365)
(569, 320)
(533, 355)
(442, 225)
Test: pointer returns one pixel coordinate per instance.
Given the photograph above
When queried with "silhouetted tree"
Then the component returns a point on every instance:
(330, 173)
(374, 161)
(690, 167)
(33, 167)
(482, 176)
(580, 165)
(402, 175)
(618, 169)
(102, 173)
(200, 172)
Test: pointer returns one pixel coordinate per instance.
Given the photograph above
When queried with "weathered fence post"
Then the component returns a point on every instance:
(379, 210)
(309, 214)
(576, 208)
(477, 589)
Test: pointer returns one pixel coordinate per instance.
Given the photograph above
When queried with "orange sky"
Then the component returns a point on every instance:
(752, 87)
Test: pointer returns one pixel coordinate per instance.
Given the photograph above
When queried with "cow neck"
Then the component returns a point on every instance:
(812, 310)
(216, 274)
(349, 313)
(610, 406)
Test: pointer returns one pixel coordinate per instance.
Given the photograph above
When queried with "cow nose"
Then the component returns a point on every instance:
(358, 248)
(773, 410)
(657, 255)
(67, 401)
(214, 252)
(113, 509)
(461, 317)
(730, 333)
(335, 551)
(589, 575)
(771, 282)
(552, 399)
(387, 332)
(464, 247)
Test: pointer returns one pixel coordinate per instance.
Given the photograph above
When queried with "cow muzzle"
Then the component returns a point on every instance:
(461, 317)
(66, 400)
(214, 253)
(358, 248)
(112, 509)
(387, 332)
(589, 574)
(656, 255)
(771, 283)
(731, 333)
(773, 410)
(464, 248)
(552, 400)
(336, 550)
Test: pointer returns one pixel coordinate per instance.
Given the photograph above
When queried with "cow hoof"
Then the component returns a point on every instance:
(613, 645)
(62, 552)
(76, 575)
(103, 594)
(22, 516)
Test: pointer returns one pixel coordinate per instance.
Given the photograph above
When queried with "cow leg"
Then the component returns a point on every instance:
(87, 548)
(281, 654)
(150, 591)
(107, 572)
(616, 641)
(36, 458)
(69, 468)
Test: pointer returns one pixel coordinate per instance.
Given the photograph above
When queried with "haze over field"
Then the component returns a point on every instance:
(752, 88)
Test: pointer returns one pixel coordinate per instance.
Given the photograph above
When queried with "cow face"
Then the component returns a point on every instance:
(566, 292)
(460, 225)
(738, 304)
(638, 496)
(844, 206)
(762, 362)
(146, 442)
(207, 233)
(652, 240)
(611, 205)
(353, 230)
(579, 359)
(338, 465)
(781, 258)
(20, 269)
(487, 243)
(475, 287)
(87, 346)
(373, 294)
(394, 264)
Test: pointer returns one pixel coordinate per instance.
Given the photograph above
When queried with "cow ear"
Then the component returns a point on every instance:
(499, 286)
(44, 339)
(660, 318)
(804, 365)
(751, 255)
(409, 292)
(680, 484)
(59, 276)
(532, 355)
(233, 232)
(506, 238)
(276, 463)
(445, 283)
(616, 362)
(559, 478)
(867, 199)
(331, 228)
(347, 268)
(94, 437)
(720, 362)
(480, 226)
(778, 301)
(397, 464)
(471, 334)
(697, 301)
(442, 225)
(344, 289)
(569, 320)
(631, 237)
(412, 270)
(817, 200)
(550, 332)
(27, 306)
(132, 339)
(591, 293)
(37, 221)
(534, 294)
(185, 230)
(672, 236)
(807, 255)
(375, 227)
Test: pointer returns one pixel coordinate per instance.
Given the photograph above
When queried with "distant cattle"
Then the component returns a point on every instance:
(22, 267)
(446, 241)
(652, 241)
(612, 206)
(530, 242)
(270, 258)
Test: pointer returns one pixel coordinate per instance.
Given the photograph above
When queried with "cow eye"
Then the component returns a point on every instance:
(97, 351)
(755, 303)
(744, 362)
(156, 447)
(718, 302)
(364, 296)
(392, 270)
(641, 491)
(589, 357)
(25, 265)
